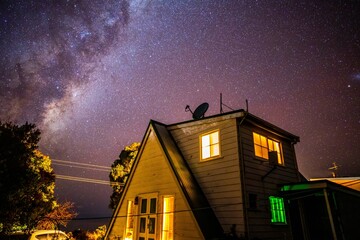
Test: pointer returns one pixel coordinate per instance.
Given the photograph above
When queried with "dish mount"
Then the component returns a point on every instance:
(199, 111)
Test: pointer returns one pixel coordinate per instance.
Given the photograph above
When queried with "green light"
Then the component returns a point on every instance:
(277, 210)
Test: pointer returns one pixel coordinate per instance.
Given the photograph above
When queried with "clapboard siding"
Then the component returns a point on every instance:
(263, 179)
(220, 177)
(153, 175)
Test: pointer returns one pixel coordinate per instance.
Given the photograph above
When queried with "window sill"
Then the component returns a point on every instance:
(211, 159)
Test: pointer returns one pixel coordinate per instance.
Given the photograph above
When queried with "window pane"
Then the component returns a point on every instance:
(214, 137)
(205, 152)
(153, 205)
(143, 205)
(129, 220)
(215, 150)
(271, 145)
(205, 141)
(258, 151)
(256, 138)
(151, 225)
(265, 153)
(263, 141)
(168, 218)
(142, 224)
(276, 147)
(280, 160)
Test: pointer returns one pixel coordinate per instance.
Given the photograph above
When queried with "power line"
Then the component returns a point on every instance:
(88, 168)
(71, 163)
(160, 213)
(87, 180)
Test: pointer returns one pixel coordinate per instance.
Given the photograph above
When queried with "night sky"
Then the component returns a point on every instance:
(91, 74)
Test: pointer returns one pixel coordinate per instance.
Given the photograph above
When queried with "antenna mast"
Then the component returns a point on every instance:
(334, 170)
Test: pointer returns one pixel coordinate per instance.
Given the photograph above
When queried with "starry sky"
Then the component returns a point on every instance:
(91, 74)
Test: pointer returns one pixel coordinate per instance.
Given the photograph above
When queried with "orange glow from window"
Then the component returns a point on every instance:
(210, 145)
(264, 145)
(168, 219)
(129, 221)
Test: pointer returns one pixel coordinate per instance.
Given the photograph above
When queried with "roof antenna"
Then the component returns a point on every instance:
(334, 169)
(221, 109)
(247, 105)
(223, 104)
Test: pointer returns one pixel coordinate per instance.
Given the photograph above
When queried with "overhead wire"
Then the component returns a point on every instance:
(71, 163)
(159, 213)
(83, 166)
(88, 180)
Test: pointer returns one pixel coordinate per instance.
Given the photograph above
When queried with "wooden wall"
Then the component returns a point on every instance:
(219, 178)
(261, 179)
(154, 175)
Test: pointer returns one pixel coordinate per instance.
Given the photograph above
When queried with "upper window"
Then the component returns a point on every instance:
(210, 145)
(264, 145)
(277, 208)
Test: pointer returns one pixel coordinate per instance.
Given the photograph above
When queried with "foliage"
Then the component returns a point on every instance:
(27, 180)
(120, 171)
(59, 216)
(98, 234)
(79, 234)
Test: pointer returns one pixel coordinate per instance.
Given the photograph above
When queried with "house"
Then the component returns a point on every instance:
(216, 177)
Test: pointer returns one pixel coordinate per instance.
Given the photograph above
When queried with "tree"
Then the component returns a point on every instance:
(27, 180)
(59, 216)
(98, 234)
(120, 171)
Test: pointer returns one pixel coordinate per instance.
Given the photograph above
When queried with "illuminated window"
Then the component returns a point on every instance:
(277, 208)
(264, 145)
(210, 145)
(167, 232)
(129, 221)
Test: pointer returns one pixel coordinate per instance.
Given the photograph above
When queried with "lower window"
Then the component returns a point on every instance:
(277, 208)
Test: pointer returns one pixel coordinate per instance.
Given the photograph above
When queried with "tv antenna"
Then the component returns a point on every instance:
(223, 104)
(334, 169)
(199, 111)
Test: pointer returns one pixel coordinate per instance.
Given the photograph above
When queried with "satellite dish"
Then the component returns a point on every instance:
(200, 111)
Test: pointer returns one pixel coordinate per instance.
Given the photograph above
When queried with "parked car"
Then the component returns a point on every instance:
(48, 235)
(37, 235)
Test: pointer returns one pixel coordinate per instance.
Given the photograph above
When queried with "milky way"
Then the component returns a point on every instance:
(91, 74)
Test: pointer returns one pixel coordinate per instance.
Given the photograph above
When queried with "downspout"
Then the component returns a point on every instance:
(333, 230)
(242, 173)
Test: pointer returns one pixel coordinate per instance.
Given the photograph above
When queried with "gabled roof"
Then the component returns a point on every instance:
(202, 211)
(200, 207)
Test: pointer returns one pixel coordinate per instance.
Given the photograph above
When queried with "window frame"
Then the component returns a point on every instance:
(168, 219)
(269, 141)
(202, 159)
(277, 210)
(130, 220)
